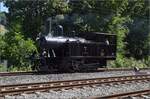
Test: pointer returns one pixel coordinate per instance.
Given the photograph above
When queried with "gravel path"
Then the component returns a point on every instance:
(86, 92)
(6, 80)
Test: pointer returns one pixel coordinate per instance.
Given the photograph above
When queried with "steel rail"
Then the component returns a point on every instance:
(55, 85)
(123, 95)
(35, 73)
(120, 69)
(17, 73)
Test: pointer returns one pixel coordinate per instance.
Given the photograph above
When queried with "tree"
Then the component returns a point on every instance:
(32, 14)
(121, 17)
(17, 49)
(138, 39)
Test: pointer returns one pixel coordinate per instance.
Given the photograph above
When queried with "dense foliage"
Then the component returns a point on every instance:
(32, 14)
(15, 48)
(129, 19)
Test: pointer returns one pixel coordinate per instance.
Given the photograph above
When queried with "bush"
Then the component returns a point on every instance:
(20, 69)
(123, 62)
(17, 49)
(2, 68)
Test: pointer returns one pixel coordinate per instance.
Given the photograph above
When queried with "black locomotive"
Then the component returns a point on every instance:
(87, 51)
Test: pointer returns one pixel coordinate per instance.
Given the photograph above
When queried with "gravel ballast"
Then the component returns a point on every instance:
(7, 80)
(86, 92)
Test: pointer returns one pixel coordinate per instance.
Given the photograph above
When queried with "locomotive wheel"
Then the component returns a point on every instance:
(75, 66)
(69, 66)
(102, 63)
(50, 68)
(64, 66)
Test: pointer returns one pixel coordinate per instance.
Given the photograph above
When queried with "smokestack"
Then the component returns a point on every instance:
(50, 25)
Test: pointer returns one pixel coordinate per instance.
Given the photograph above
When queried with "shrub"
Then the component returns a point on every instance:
(2, 68)
(123, 62)
(20, 69)
(17, 49)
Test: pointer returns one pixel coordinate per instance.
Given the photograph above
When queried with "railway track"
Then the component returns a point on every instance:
(17, 73)
(68, 84)
(141, 94)
(120, 69)
(35, 73)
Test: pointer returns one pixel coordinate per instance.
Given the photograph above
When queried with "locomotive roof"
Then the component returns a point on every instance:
(102, 33)
(98, 33)
(64, 39)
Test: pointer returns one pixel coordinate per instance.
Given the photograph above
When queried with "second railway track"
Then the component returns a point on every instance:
(140, 94)
(68, 84)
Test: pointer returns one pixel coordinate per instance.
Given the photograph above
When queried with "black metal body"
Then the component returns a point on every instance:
(76, 54)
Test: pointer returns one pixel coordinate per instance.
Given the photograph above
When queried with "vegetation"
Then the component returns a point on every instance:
(15, 48)
(131, 62)
(2, 68)
(18, 50)
(129, 19)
